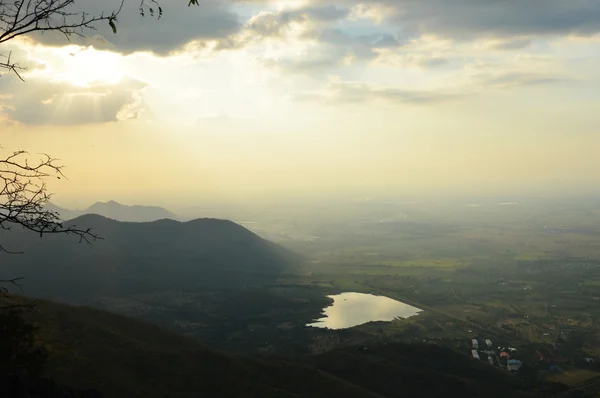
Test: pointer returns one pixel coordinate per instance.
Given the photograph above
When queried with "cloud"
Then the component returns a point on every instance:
(319, 25)
(469, 19)
(519, 79)
(179, 25)
(355, 92)
(512, 44)
(522, 71)
(284, 24)
(472, 20)
(274, 24)
(48, 103)
(413, 60)
(227, 22)
(360, 46)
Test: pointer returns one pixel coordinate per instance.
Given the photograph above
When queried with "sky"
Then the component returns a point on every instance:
(258, 99)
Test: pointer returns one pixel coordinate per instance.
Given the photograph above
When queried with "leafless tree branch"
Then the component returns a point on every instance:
(24, 195)
(23, 200)
(22, 17)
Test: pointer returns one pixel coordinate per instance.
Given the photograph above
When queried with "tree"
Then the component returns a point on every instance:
(23, 198)
(23, 191)
(23, 17)
(19, 348)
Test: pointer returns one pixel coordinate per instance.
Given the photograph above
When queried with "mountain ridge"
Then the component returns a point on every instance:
(126, 357)
(116, 211)
(143, 257)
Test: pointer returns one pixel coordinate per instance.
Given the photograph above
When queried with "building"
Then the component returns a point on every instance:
(513, 365)
(475, 344)
(475, 354)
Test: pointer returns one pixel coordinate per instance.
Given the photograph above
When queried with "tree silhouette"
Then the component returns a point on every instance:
(23, 198)
(23, 17)
(20, 349)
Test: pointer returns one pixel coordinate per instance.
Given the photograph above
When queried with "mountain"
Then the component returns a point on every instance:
(413, 370)
(123, 357)
(142, 258)
(117, 211)
(120, 212)
(64, 214)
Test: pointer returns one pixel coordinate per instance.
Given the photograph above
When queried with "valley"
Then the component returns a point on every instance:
(519, 285)
(299, 199)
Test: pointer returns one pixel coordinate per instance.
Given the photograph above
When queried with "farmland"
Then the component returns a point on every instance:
(525, 276)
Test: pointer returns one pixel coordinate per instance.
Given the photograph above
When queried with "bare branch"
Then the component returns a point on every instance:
(4, 293)
(23, 17)
(23, 200)
(24, 196)
(11, 66)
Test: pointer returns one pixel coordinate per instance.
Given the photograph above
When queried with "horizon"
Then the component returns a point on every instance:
(275, 99)
(298, 198)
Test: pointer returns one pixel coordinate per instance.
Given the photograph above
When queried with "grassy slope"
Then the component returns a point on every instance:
(123, 357)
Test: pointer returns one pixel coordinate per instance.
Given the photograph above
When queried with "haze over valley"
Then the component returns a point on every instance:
(299, 198)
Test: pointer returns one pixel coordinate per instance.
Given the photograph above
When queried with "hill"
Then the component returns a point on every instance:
(117, 211)
(64, 214)
(135, 213)
(123, 357)
(401, 370)
(142, 258)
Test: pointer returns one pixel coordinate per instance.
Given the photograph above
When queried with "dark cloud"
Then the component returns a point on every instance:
(337, 45)
(274, 24)
(457, 19)
(179, 25)
(46, 103)
(362, 46)
(470, 19)
(269, 24)
(318, 13)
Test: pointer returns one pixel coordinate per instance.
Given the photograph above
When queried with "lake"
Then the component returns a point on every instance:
(353, 309)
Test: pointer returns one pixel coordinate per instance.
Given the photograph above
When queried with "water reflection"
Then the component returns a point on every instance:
(352, 309)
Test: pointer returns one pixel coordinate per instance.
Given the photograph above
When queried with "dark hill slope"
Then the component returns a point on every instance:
(142, 257)
(407, 370)
(123, 357)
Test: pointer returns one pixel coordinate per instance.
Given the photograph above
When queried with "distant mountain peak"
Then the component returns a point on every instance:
(110, 203)
(117, 211)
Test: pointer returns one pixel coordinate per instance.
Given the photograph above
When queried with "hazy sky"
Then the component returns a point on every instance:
(263, 98)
